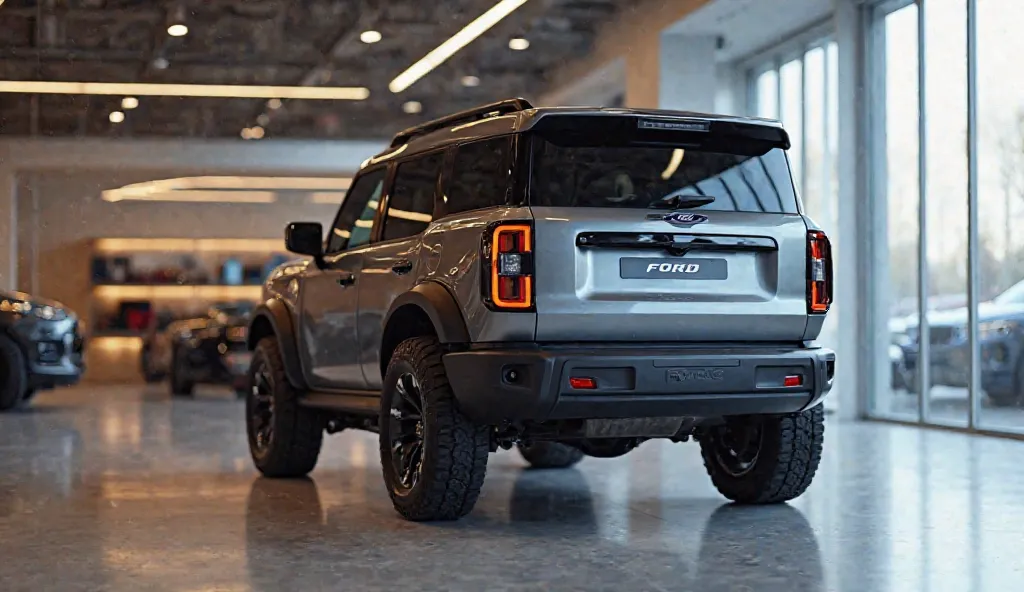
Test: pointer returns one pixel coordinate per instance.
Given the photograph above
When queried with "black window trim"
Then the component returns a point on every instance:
(377, 234)
(359, 176)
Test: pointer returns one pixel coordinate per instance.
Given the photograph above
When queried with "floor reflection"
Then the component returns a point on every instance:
(121, 490)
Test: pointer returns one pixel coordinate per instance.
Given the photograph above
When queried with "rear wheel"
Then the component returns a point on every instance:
(434, 458)
(550, 455)
(13, 374)
(181, 386)
(148, 374)
(284, 437)
(764, 459)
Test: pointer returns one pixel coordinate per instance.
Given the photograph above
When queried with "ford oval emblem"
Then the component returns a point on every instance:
(684, 218)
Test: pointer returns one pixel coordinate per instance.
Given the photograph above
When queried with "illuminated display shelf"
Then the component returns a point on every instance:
(176, 291)
(119, 246)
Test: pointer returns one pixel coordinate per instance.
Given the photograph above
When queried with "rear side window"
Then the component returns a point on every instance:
(480, 175)
(644, 176)
(411, 205)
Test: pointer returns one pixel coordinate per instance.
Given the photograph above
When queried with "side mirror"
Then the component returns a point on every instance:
(304, 238)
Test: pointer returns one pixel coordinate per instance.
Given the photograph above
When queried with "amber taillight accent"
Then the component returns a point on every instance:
(819, 272)
(511, 262)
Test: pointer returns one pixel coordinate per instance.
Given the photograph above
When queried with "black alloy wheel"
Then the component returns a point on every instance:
(260, 409)
(406, 431)
(737, 446)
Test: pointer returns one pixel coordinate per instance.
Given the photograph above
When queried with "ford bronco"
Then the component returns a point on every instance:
(568, 281)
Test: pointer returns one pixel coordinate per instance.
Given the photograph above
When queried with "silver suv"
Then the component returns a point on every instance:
(571, 282)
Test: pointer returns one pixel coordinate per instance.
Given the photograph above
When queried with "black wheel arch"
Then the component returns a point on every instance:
(273, 318)
(427, 309)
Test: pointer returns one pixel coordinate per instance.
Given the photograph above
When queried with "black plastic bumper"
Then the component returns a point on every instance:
(532, 384)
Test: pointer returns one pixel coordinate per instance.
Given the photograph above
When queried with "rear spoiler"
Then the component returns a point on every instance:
(603, 129)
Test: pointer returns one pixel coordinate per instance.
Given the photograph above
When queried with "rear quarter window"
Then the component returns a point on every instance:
(480, 175)
(638, 176)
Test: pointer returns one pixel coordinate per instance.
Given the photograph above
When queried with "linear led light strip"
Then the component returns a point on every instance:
(209, 188)
(447, 49)
(228, 91)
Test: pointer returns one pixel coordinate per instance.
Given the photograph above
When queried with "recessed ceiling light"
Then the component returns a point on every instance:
(274, 104)
(412, 107)
(246, 133)
(161, 63)
(263, 119)
(258, 133)
(518, 43)
(116, 117)
(129, 103)
(470, 81)
(370, 36)
(177, 30)
(442, 52)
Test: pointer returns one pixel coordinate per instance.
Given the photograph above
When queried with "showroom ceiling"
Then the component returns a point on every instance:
(279, 43)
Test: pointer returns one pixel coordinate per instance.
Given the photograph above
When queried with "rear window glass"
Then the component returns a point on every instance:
(643, 176)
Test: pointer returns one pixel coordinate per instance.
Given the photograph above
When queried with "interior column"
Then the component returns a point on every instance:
(668, 71)
(8, 230)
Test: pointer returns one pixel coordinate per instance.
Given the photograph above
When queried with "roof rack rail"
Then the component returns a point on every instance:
(502, 107)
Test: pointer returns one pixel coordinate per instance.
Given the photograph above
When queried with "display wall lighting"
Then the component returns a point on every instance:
(225, 91)
(448, 48)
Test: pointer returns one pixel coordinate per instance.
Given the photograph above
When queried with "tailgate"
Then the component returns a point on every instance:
(614, 274)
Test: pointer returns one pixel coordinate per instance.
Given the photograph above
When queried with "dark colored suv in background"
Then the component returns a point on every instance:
(40, 347)
(568, 281)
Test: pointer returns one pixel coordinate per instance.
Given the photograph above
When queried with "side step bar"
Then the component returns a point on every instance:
(362, 403)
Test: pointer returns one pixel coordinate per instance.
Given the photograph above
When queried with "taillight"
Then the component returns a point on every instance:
(509, 249)
(819, 272)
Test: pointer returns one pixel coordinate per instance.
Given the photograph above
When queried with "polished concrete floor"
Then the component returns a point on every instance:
(121, 488)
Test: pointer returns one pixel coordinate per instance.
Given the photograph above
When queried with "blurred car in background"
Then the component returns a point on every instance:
(209, 349)
(40, 347)
(1001, 336)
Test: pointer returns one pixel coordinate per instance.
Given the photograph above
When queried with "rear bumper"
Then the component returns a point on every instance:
(532, 383)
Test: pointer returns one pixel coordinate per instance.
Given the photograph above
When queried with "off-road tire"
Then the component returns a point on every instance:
(455, 450)
(550, 455)
(13, 374)
(298, 432)
(788, 457)
(180, 387)
(149, 375)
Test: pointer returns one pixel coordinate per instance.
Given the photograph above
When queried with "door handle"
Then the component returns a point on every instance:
(402, 267)
(346, 279)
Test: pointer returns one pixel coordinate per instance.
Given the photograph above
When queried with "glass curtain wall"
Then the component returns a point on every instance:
(927, 168)
(798, 84)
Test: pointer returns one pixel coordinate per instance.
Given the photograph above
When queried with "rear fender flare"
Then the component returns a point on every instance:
(440, 307)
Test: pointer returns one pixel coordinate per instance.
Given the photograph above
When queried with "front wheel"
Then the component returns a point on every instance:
(13, 375)
(764, 459)
(433, 457)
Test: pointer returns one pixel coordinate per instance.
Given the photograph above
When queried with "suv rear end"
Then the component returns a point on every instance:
(669, 270)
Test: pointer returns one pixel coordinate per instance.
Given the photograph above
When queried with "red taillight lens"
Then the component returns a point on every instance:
(511, 277)
(819, 272)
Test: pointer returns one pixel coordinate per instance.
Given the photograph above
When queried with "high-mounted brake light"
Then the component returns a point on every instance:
(819, 272)
(510, 252)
